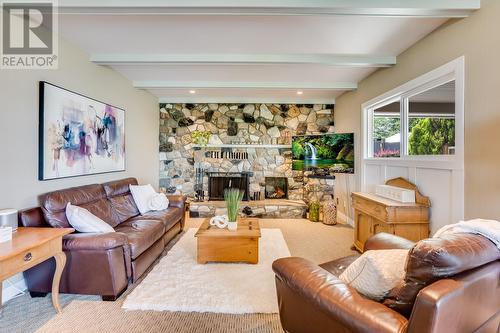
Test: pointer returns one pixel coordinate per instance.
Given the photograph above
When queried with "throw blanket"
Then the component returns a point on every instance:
(158, 201)
(487, 228)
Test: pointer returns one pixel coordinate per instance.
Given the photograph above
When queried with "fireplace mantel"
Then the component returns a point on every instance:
(234, 145)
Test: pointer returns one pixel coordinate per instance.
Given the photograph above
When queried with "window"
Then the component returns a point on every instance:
(431, 121)
(387, 130)
(422, 119)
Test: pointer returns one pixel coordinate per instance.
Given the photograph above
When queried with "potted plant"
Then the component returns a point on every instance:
(233, 197)
(201, 137)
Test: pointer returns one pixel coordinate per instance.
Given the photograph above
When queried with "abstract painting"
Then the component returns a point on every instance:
(78, 135)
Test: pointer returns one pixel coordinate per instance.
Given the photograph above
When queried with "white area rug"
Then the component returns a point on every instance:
(179, 283)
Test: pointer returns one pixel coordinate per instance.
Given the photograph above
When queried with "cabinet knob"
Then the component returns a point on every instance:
(28, 256)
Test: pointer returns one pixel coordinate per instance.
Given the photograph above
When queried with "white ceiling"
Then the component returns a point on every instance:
(444, 93)
(170, 50)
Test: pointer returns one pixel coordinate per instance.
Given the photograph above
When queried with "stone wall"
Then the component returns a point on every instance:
(238, 124)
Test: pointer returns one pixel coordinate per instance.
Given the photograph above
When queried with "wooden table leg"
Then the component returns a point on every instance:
(60, 262)
(1, 306)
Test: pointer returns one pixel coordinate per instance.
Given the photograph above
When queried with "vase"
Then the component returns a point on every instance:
(329, 212)
(233, 226)
(314, 209)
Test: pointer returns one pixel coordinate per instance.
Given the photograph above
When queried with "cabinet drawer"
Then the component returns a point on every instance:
(25, 260)
(371, 208)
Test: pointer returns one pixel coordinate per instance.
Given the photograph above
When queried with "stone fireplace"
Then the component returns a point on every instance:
(276, 188)
(219, 181)
(244, 139)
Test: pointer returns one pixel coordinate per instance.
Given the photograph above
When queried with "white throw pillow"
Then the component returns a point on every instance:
(84, 221)
(158, 201)
(376, 272)
(142, 195)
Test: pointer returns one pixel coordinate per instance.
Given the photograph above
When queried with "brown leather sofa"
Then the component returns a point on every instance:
(102, 264)
(451, 285)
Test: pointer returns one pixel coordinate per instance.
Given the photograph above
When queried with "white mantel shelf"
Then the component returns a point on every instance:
(242, 146)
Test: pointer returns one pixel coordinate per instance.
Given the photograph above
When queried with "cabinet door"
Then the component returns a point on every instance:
(363, 228)
(379, 226)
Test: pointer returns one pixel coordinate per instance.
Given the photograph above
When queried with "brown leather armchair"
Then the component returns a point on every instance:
(451, 285)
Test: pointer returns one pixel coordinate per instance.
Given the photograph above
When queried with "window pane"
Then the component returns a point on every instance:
(387, 131)
(431, 121)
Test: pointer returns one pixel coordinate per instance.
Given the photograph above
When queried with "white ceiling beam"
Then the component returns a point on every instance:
(320, 59)
(407, 8)
(245, 85)
(244, 99)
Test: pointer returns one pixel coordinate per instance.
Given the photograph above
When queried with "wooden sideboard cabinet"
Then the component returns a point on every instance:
(374, 214)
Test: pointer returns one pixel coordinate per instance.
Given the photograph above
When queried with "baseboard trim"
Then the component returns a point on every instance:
(345, 219)
(11, 290)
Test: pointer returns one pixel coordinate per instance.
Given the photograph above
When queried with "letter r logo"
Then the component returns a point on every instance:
(27, 28)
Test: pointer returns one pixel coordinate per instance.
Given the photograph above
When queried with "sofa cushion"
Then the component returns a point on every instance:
(141, 234)
(120, 198)
(95, 242)
(338, 266)
(91, 197)
(169, 216)
(435, 258)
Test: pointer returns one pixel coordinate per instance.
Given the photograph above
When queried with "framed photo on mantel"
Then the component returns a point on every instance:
(78, 135)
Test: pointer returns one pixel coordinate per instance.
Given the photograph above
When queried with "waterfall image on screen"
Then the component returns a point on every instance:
(324, 154)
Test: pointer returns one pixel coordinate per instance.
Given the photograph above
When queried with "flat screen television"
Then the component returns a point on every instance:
(324, 154)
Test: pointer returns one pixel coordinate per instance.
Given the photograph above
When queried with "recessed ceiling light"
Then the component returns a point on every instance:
(300, 92)
(192, 91)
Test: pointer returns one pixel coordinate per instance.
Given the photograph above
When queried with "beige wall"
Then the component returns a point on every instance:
(477, 38)
(19, 185)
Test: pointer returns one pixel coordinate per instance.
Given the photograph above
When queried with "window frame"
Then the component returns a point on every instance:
(452, 71)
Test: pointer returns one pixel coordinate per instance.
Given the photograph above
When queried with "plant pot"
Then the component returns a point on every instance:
(314, 210)
(233, 226)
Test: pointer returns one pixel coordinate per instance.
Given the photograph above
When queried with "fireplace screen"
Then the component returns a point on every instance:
(276, 188)
(219, 181)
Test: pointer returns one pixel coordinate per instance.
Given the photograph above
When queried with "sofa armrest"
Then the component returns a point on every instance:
(385, 241)
(99, 242)
(445, 305)
(331, 305)
(177, 200)
(91, 241)
(32, 217)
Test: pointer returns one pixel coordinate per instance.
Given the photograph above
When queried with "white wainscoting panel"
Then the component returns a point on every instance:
(373, 175)
(444, 186)
(395, 171)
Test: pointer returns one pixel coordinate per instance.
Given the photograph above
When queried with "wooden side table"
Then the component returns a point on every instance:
(28, 248)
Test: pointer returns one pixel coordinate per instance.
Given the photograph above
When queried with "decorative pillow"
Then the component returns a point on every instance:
(158, 201)
(142, 195)
(376, 272)
(84, 221)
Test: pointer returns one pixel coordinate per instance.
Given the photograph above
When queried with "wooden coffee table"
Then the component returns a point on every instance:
(222, 245)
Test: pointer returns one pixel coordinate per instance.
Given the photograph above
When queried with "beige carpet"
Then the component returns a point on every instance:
(314, 241)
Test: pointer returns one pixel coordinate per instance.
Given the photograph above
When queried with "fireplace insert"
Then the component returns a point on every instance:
(219, 181)
(276, 188)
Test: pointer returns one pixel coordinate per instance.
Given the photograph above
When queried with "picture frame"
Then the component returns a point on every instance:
(78, 135)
